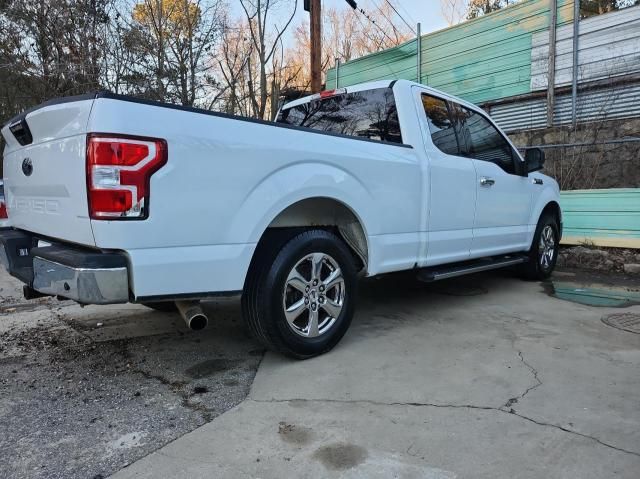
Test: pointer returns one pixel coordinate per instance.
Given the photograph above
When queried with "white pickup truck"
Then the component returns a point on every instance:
(112, 199)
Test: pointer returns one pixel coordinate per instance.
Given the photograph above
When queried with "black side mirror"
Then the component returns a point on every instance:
(534, 158)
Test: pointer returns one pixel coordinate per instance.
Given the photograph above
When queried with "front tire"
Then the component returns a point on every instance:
(300, 300)
(544, 250)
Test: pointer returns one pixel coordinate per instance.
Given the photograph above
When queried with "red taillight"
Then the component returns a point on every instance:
(119, 170)
(3, 210)
(329, 93)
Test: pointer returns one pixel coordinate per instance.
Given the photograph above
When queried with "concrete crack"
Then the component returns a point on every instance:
(570, 431)
(502, 410)
(538, 383)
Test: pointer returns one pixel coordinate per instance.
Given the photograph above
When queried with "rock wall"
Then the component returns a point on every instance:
(611, 260)
(590, 166)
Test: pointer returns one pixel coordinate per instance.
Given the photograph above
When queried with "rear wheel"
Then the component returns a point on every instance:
(300, 300)
(544, 250)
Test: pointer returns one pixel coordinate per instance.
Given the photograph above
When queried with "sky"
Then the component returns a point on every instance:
(427, 12)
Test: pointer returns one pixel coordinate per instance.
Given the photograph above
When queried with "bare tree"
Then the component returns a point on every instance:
(175, 38)
(453, 11)
(265, 36)
(55, 45)
(233, 61)
(477, 8)
(347, 34)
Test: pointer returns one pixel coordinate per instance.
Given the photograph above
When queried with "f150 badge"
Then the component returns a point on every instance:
(27, 166)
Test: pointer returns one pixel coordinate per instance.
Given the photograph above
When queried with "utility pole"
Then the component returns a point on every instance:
(551, 75)
(316, 45)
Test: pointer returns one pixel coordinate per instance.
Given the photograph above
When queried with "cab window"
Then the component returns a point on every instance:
(441, 126)
(484, 141)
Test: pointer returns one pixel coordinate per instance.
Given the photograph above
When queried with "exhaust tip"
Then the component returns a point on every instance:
(192, 314)
(198, 322)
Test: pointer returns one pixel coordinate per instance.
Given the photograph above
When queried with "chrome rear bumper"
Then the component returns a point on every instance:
(84, 285)
(85, 275)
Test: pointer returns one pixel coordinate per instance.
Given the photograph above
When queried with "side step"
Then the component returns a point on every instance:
(445, 271)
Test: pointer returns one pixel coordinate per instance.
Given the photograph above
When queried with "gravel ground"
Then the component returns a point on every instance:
(86, 391)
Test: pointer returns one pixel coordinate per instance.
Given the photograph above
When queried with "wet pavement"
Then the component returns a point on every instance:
(594, 289)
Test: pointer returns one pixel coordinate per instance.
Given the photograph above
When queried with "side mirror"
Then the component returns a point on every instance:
(534, 158)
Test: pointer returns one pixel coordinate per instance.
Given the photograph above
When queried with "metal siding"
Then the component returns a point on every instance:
(604, 217)
(622, 101)
(488, 58)
(479, 60)
(394, 63)
(608, 46)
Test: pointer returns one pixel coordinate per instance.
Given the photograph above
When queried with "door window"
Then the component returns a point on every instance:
(441, 127)
(484, 141)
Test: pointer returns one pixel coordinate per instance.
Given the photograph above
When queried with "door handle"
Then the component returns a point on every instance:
(484, 181)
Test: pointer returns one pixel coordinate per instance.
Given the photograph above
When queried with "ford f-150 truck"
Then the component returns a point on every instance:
(113, 199)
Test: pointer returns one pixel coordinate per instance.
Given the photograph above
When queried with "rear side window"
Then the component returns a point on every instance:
(367, 114)
(441, 127)
(485, 141)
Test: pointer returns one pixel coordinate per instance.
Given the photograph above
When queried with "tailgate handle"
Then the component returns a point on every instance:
(21, 132)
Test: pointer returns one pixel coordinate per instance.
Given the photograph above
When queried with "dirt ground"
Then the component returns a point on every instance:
(86, 391)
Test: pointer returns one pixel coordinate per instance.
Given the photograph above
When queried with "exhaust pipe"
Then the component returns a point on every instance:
(192, 313)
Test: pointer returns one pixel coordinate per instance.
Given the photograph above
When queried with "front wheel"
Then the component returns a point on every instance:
(300, 299)
(544, 250)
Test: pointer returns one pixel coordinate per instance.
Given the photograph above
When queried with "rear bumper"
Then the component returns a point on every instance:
(86, 276)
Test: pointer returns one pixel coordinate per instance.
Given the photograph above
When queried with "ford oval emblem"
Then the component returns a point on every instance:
(27, 166)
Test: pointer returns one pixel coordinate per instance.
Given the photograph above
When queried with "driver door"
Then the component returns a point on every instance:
(503, 198)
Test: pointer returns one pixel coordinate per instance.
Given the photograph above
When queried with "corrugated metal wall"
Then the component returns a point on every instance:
(394, 64)
(622, 101)
(490, 57)
(484, 59)
(505, 54)
(608, 46)
(603, 217)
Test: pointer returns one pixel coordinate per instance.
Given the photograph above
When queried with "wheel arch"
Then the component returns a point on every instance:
(553, 208)
(321, 212)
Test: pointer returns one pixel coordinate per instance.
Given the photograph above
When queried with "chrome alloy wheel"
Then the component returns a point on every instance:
(314, 295)
(546, 247)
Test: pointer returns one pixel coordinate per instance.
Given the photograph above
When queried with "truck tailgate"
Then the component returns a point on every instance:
(45, 179)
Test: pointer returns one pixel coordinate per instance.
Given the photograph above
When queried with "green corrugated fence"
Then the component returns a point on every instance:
(602, 217)
(484, 59)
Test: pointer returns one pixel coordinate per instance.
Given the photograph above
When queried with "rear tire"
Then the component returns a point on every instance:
(544, 250)
(299, 296)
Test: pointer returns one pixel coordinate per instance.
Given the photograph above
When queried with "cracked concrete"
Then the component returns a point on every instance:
(429, 384)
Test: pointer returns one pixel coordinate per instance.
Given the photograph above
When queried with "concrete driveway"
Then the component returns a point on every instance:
(483, 377)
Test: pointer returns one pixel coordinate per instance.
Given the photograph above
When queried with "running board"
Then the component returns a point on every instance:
(445, 271)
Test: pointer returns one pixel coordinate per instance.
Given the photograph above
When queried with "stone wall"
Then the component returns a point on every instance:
(592, 166)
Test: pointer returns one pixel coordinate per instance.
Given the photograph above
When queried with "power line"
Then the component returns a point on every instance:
(401, 17)
(407, 13)
(363, 30)
(395, 30)
(361, 10)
